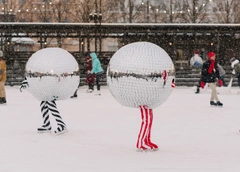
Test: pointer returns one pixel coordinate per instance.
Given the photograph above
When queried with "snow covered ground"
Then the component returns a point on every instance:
(191, 135)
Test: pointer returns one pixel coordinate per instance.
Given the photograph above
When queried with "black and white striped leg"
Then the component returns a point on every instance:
(46, 127)
(61, 125)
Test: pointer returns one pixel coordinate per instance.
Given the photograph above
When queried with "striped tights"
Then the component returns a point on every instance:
(47, 108)
(144, 136)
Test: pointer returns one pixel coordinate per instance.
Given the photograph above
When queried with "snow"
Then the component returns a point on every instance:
(191, 135)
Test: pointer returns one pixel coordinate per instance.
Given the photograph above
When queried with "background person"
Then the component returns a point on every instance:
(209, 75)
(222, 73)
(236, 69)
(196, 60)
(3, 77)
(89, 78)
(97, 70)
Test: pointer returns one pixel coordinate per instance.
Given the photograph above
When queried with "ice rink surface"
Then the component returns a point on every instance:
(191, 135)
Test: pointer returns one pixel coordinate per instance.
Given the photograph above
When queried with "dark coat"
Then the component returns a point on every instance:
(206, 76)
(89, 78)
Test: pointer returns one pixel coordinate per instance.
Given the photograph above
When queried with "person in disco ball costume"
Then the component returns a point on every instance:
(141, 75)
(51, 74)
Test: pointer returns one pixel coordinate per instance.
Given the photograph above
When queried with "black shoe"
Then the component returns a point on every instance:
(73, 96)
(4, 100)
(212, 103)
(44, 129)
(197, 92)
(219, 103)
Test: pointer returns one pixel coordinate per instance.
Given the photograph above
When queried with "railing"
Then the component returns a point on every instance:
(185, 75)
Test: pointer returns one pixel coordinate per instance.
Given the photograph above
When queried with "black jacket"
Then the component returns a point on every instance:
(205, 76)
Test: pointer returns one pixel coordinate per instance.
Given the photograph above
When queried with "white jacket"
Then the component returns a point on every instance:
(196, 58)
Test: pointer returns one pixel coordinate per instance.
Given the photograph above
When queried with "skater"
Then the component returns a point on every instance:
(209, 75)
(236, 69)
(97, 70)
(196, 60)
(48, 108)
(89, 78)
(222, 74)
(3, 76)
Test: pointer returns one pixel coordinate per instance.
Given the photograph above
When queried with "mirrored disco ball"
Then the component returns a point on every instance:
(140, 73)
(52, 73)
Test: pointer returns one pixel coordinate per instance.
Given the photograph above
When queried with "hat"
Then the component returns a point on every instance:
(211, 54)
(232, 59)
(1, 54)
(196, 52)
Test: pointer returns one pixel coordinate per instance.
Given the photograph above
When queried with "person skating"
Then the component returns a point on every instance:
(48, 108)
(3, 77)
(222, 73)
(236, 69)
(97, 70)
(196, 60)
(89, 78)
(210, 74)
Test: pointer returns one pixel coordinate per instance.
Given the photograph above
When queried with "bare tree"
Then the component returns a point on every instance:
(170, 11)
(81, 9)
(60, 11)
(9, 10)
(226, 11)
(195, 11)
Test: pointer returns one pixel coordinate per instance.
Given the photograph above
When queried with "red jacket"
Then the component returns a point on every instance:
(89, 79)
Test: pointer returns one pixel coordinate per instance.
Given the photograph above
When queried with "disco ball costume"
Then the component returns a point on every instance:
(141, 75)
(51, 74)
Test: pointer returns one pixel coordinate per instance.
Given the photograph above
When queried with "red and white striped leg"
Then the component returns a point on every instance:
(144, 142)
(148, 139)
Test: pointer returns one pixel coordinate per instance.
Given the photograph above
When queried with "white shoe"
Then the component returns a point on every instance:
(89, 90)
(98, 93)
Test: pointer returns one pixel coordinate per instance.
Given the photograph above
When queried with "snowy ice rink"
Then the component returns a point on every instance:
(191, 135)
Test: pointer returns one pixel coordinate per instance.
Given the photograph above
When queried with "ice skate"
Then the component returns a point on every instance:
(74, 96)
(197, 91)
(89, 91)
(60, 130)
(145, 149)
(212, 103)
(43, 129)
(219, 104)
(153, 146)
(98, 93)
(3, 100)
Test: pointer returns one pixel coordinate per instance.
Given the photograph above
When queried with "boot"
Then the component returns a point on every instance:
(1, 100)
(212, 103)
(219, 104)
(74, 95)
(4, 100)
(198, 90)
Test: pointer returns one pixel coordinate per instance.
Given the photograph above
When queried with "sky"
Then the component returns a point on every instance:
(192, 136)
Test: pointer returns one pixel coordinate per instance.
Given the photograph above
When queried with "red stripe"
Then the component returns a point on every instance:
(142, 134)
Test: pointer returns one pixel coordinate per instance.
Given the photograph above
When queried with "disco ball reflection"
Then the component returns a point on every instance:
(139, 74)
(52, 73)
